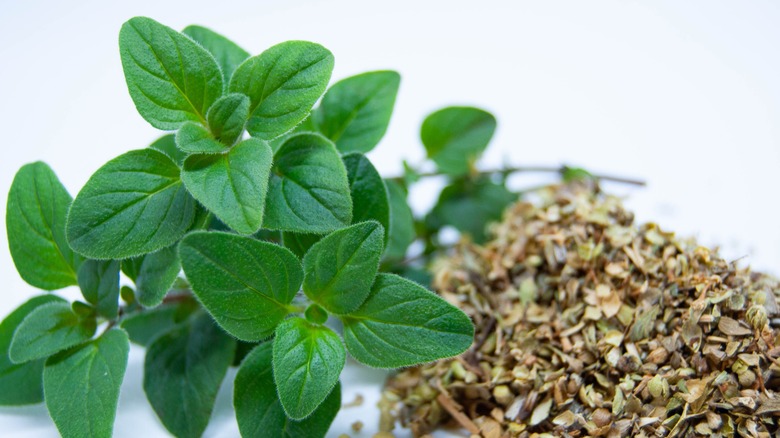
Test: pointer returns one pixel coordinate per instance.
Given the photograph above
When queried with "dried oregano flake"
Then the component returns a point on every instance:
(591, 325)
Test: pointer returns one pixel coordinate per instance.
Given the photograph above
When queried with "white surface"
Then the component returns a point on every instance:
(683, 94)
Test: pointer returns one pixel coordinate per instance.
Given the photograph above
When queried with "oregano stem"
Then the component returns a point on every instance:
(531, 169)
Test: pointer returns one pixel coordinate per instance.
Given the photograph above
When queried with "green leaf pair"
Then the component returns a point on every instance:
(80, 380)
(249, 286)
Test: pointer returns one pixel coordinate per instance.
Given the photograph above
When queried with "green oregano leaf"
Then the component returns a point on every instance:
(483, 199)
(99, 283)
(171, 78)
(233, 186)
(49, 328)
(20, 384)
(307, 125)
(339, 269)
(144, 327)
(299, 243)
(183, 371)
(282, 83)
(255, 393)
(455, 137)
(35, 222)
(167, 145)
(308, 190)
(401, 233)
(82, 385)
(355, 111)
(402, 324)
(227, 53)
(368, 192)
(193, 138)
(227, 117)
(307, 361)
(133, 205)
(153, 274)
(245, 284)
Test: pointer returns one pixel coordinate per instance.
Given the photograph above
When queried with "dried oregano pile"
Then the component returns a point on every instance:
(590, 325)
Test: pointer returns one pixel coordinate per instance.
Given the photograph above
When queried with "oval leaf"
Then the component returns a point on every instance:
(49, 328)
(82, 386)
(167, 145)
(401, 233)
(144, 327)
(171, 78)
(20, 384)
(355, 111)
(368, 191)
(183, 371)
(307, 361)
(35, 222)
(245, 284)
(340, 268)
(482, 198)
(133, 205)
(308, 190)
(402, 324)
(227, 117)
(455, 137)
(227, 53)
(153, 274)
(282, 83)
(99, 283)
(299, 243)
(193, 138)
(255, 392)
(233, 186)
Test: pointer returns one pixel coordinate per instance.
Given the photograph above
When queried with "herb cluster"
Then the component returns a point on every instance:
(276, 218)
(276, 232)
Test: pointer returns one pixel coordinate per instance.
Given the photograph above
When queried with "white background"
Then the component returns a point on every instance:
(685, 95)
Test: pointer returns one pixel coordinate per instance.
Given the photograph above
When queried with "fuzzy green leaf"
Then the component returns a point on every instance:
(307, 125)
(283, 83)
(227, 53)
(355, 111)
(82, 386)
(227, 117)
(255, 393)
(153, 274)
(183, 371)
(245, 284)
(307, 361)
(20, 384)
(368, 191)
(299, 243)
(309, 190)
(401, 233)
(483, 199)
(171, 78)
(35, 222)
(193, 138)
(233, 186)
(455, 137)
(133, 205)
(339, 269)
(49, 328)
(402, 324)
(144, 327)
(167, 145)
(99, 283)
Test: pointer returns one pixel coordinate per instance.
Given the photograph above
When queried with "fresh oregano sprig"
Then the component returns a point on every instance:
(277, 220)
